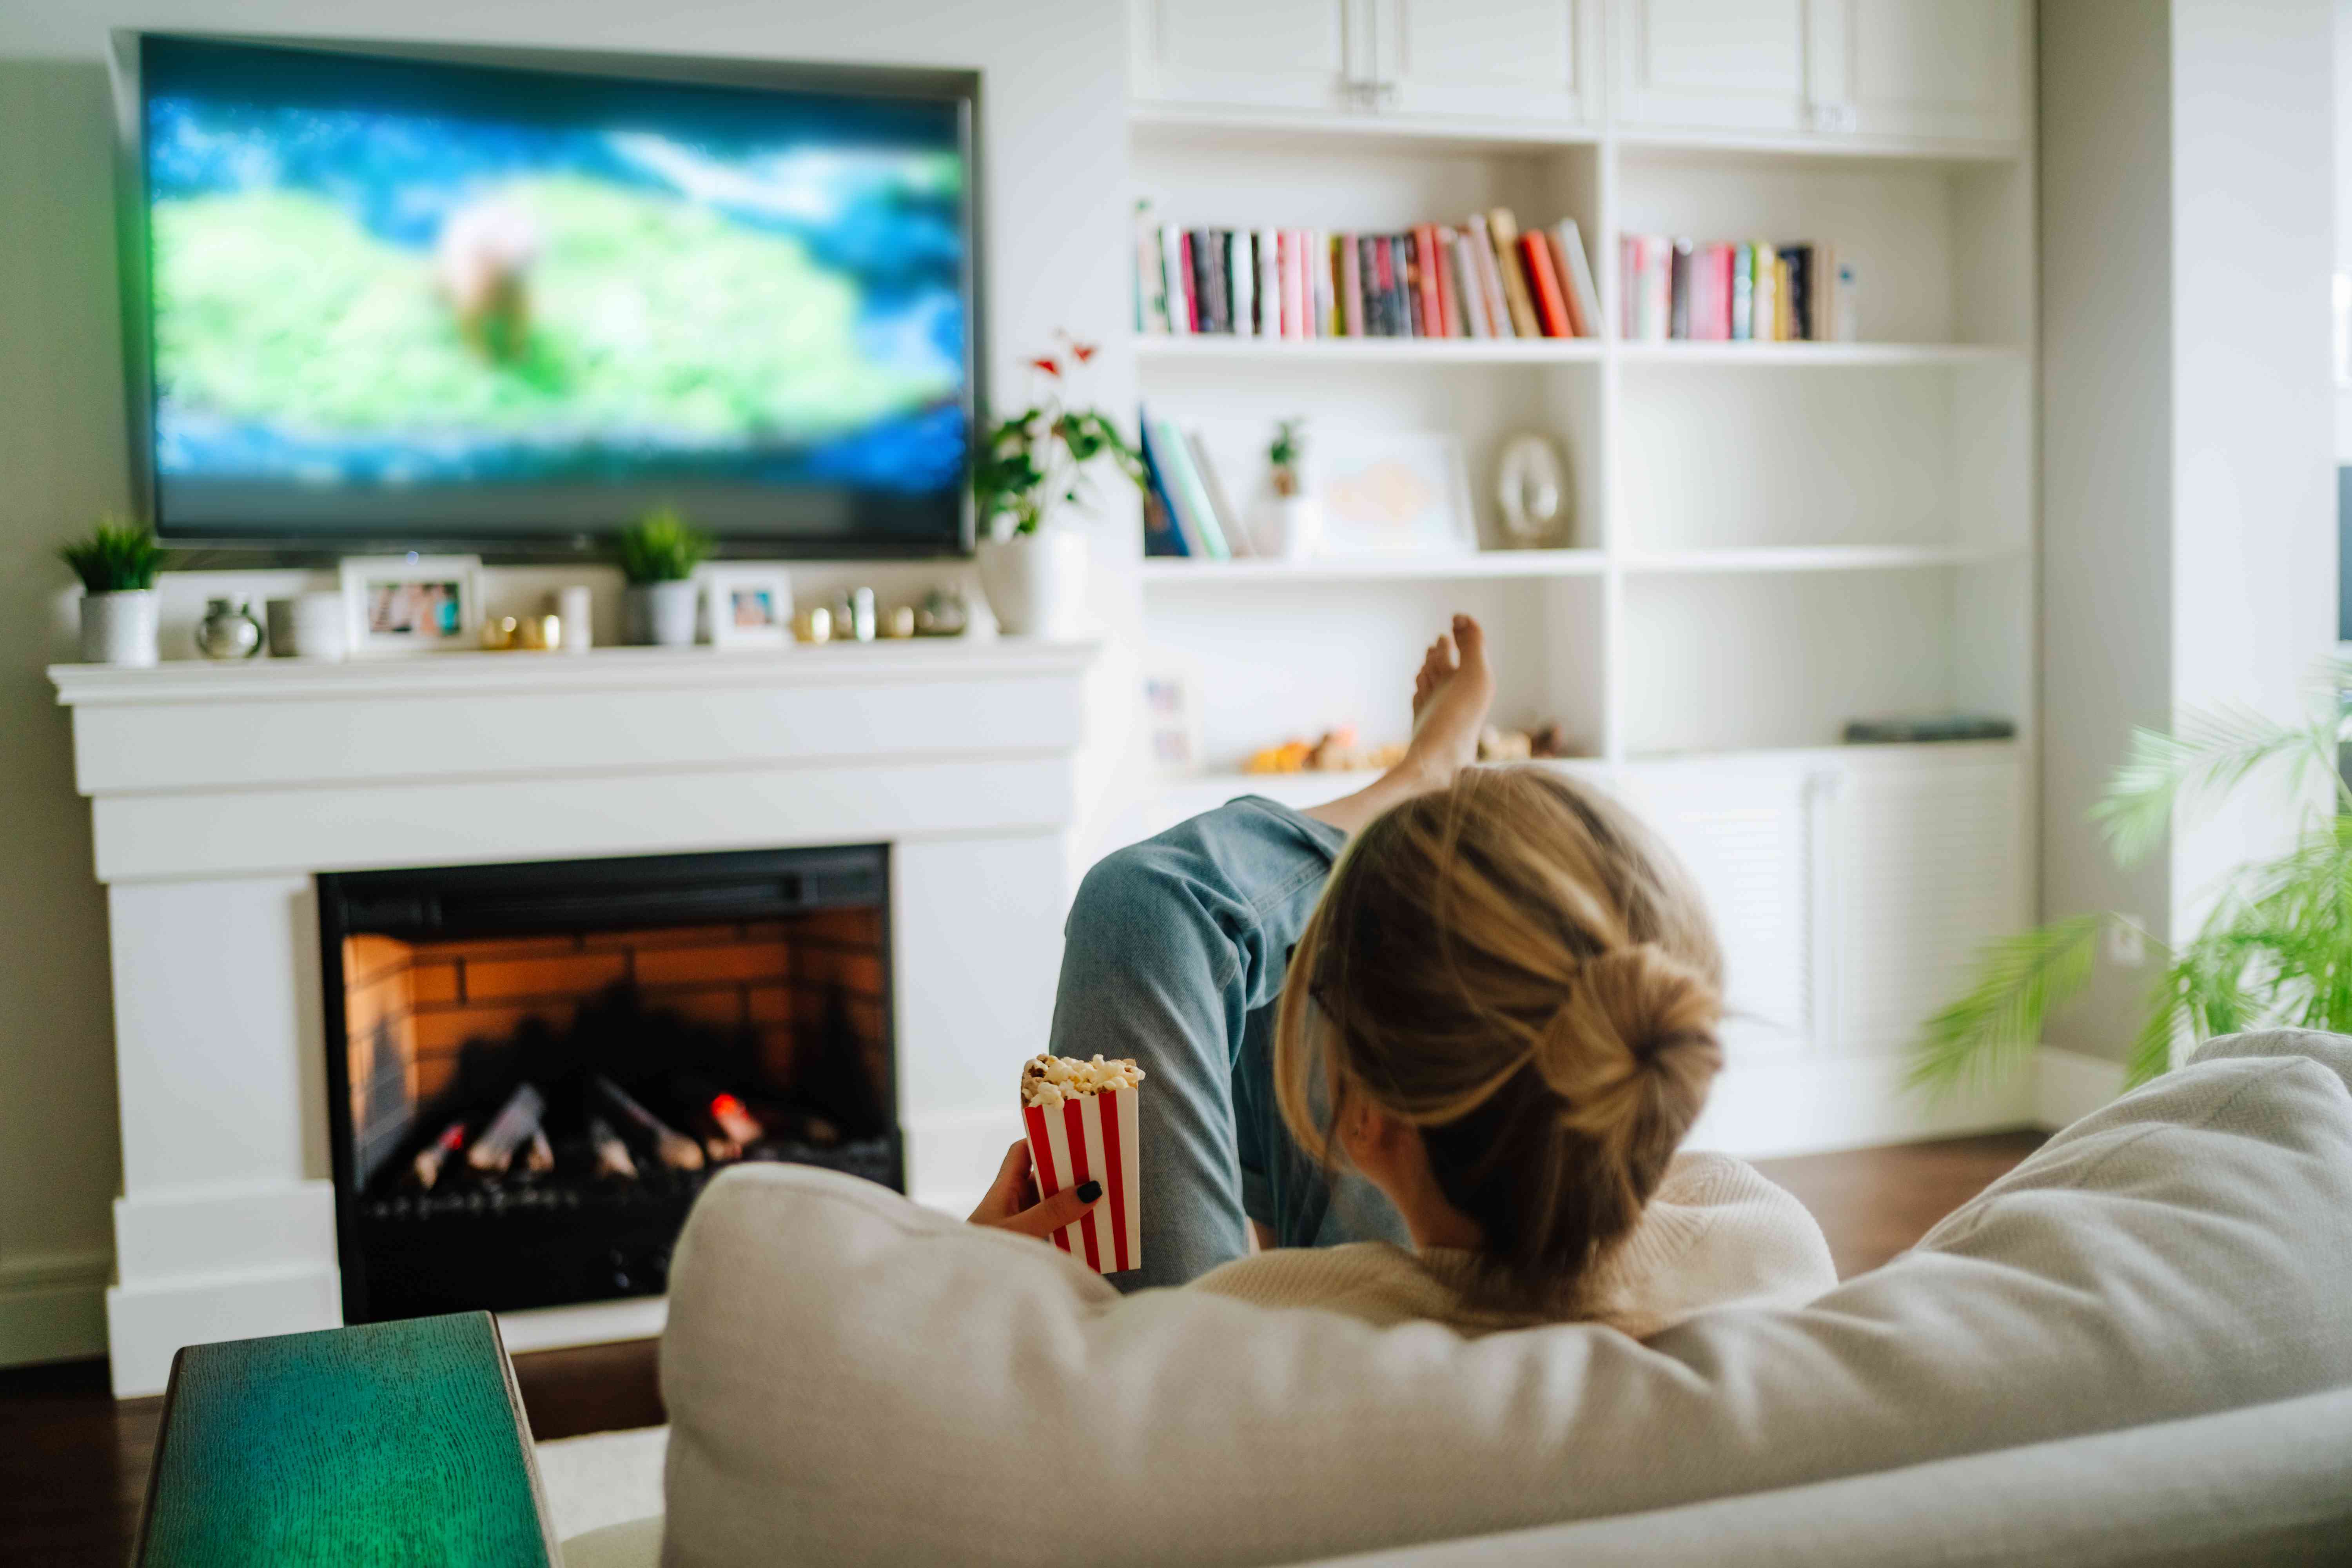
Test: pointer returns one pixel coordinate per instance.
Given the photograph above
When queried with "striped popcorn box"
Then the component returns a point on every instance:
(1092, 1137)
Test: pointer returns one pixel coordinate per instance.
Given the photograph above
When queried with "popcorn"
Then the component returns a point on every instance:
(1050, 1081)
(1081, 1123)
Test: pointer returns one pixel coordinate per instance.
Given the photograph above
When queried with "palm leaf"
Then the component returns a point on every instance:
(2211, 754)
(2019, 980)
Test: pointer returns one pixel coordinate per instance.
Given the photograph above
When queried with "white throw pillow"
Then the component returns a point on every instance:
(852, 1378)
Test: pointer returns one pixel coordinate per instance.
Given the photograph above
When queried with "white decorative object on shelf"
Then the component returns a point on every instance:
(411, 604)
(1531, 491)
(1036, 582)
(1287, 527)
(750, 605)
(119, 628)
(575, 606)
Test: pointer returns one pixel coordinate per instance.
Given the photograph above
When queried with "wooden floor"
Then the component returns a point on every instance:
(73, 1460)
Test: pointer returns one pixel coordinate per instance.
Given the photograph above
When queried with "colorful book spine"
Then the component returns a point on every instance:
(1743, 292)
(1297, 298)
(1180, 536)
(1176, 257)
(1764, 303)
(1678, 317)
(1195, 517)
(1150, 276)
(1351, 288)
(1550, 305)
(1241, 273)
(1583, 292)
(1503, 231)
(1449, 283)
(1432, 298)
(1490, 279)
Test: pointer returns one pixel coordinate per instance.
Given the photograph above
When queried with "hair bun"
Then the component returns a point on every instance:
(1635, 1019)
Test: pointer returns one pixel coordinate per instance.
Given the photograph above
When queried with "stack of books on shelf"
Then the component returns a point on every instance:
(1486, 279)
(1187, 511)
(1727, 292)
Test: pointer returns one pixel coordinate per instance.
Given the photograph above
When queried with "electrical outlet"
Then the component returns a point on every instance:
(2126, 948)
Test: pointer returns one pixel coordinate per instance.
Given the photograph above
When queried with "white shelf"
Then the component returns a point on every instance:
(1362, 351)
(1819, 354)
(1485, 563)
(1810, 558)
(1178, 124)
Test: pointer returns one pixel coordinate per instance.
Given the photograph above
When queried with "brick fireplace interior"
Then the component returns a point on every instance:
(534, 1070)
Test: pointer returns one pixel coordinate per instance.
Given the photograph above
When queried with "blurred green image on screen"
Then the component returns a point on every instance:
(500, 301)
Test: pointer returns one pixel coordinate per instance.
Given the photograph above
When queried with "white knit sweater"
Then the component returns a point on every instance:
(1714, 1233)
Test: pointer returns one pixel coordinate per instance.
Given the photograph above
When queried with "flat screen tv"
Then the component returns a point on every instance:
(401, 295)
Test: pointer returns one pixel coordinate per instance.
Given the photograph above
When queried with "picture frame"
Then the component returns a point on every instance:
(411, 604)
(748, 605)
(1389, 493)
(1172, 718)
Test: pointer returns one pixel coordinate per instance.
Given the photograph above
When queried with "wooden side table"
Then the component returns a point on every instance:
(391, 1443)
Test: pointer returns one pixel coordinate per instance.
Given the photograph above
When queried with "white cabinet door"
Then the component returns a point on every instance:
(1933, 868)
(1257, 54)
(1751, 842)
(1730, 65)
(1943, 69)
(1527, 59)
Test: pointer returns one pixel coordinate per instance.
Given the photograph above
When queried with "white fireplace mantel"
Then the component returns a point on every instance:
(218, 791)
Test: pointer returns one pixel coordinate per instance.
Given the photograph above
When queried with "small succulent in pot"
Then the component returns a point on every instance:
(658, 554)
(116, 565)
(1285, 457)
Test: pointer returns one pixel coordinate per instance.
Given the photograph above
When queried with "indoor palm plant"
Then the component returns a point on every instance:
(658, 554)
(117, 566)
(2275, 950)
(1029, 467)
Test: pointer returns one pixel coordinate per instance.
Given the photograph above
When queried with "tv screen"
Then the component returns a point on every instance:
(391, 298)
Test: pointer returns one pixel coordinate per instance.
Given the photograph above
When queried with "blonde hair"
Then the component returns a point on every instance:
(1516, 968)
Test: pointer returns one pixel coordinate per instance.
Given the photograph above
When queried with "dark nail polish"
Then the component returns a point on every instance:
(1090, 1190)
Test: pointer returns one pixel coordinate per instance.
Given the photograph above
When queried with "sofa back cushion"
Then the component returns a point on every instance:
(850, 1377)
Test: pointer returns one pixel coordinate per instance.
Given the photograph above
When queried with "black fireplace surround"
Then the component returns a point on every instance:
(533, 1069)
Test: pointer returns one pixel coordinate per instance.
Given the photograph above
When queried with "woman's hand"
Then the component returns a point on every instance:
(1012, 1203)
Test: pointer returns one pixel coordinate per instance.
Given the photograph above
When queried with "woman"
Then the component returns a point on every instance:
(1472, 1011)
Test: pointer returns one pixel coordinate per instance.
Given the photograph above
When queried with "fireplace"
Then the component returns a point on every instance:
(533, 1069)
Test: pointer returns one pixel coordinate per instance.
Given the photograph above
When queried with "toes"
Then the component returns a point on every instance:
(1470, 636)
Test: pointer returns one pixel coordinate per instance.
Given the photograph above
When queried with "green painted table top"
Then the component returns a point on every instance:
(392, 1444)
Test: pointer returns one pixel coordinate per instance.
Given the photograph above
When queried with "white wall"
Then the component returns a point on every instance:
(1055, 139)
(2187, 542)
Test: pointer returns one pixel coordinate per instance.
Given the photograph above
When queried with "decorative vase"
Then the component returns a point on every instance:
(1036, 582)
(662, 613)
(228, 631)
(1287, 527)
(119, 628)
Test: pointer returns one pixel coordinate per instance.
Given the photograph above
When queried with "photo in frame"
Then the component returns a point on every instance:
(1172, 718)
(1391, 492)
(748, 604)
(411, 604)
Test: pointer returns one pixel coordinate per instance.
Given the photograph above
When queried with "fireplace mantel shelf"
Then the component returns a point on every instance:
(202, 681)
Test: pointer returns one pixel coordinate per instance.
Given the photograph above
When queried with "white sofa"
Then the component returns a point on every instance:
(2136, 1346)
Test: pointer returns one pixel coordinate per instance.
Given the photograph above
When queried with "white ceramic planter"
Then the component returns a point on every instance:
(119, 627)
(1287, 527)
(663, 614)
(1036, 582)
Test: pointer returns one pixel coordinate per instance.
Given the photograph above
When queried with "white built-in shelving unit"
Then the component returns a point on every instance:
(1768, 539)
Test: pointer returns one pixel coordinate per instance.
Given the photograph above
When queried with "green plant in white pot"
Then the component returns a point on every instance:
(658, 554)
(116, 565)
(1030, 470)
(2276, 951)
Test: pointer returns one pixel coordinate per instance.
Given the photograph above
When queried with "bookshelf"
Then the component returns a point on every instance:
(1768, 539)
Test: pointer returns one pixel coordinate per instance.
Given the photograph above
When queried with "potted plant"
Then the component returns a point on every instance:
(116, 567)
(1289, 518)
(658, 554)
(2275, 950)
(1028, 468)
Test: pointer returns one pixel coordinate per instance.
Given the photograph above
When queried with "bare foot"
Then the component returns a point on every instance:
(1450, 698)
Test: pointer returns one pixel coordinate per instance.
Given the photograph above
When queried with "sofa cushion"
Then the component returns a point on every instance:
(851, 1376)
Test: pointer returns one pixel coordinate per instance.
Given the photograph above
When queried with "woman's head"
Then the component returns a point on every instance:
(1515, 968)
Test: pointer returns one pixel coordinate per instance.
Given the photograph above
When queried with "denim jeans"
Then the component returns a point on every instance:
(1176, 951)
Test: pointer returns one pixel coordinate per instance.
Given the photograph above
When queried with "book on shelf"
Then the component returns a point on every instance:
(1720, 292)
(1173, 472)
(1484, 278)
